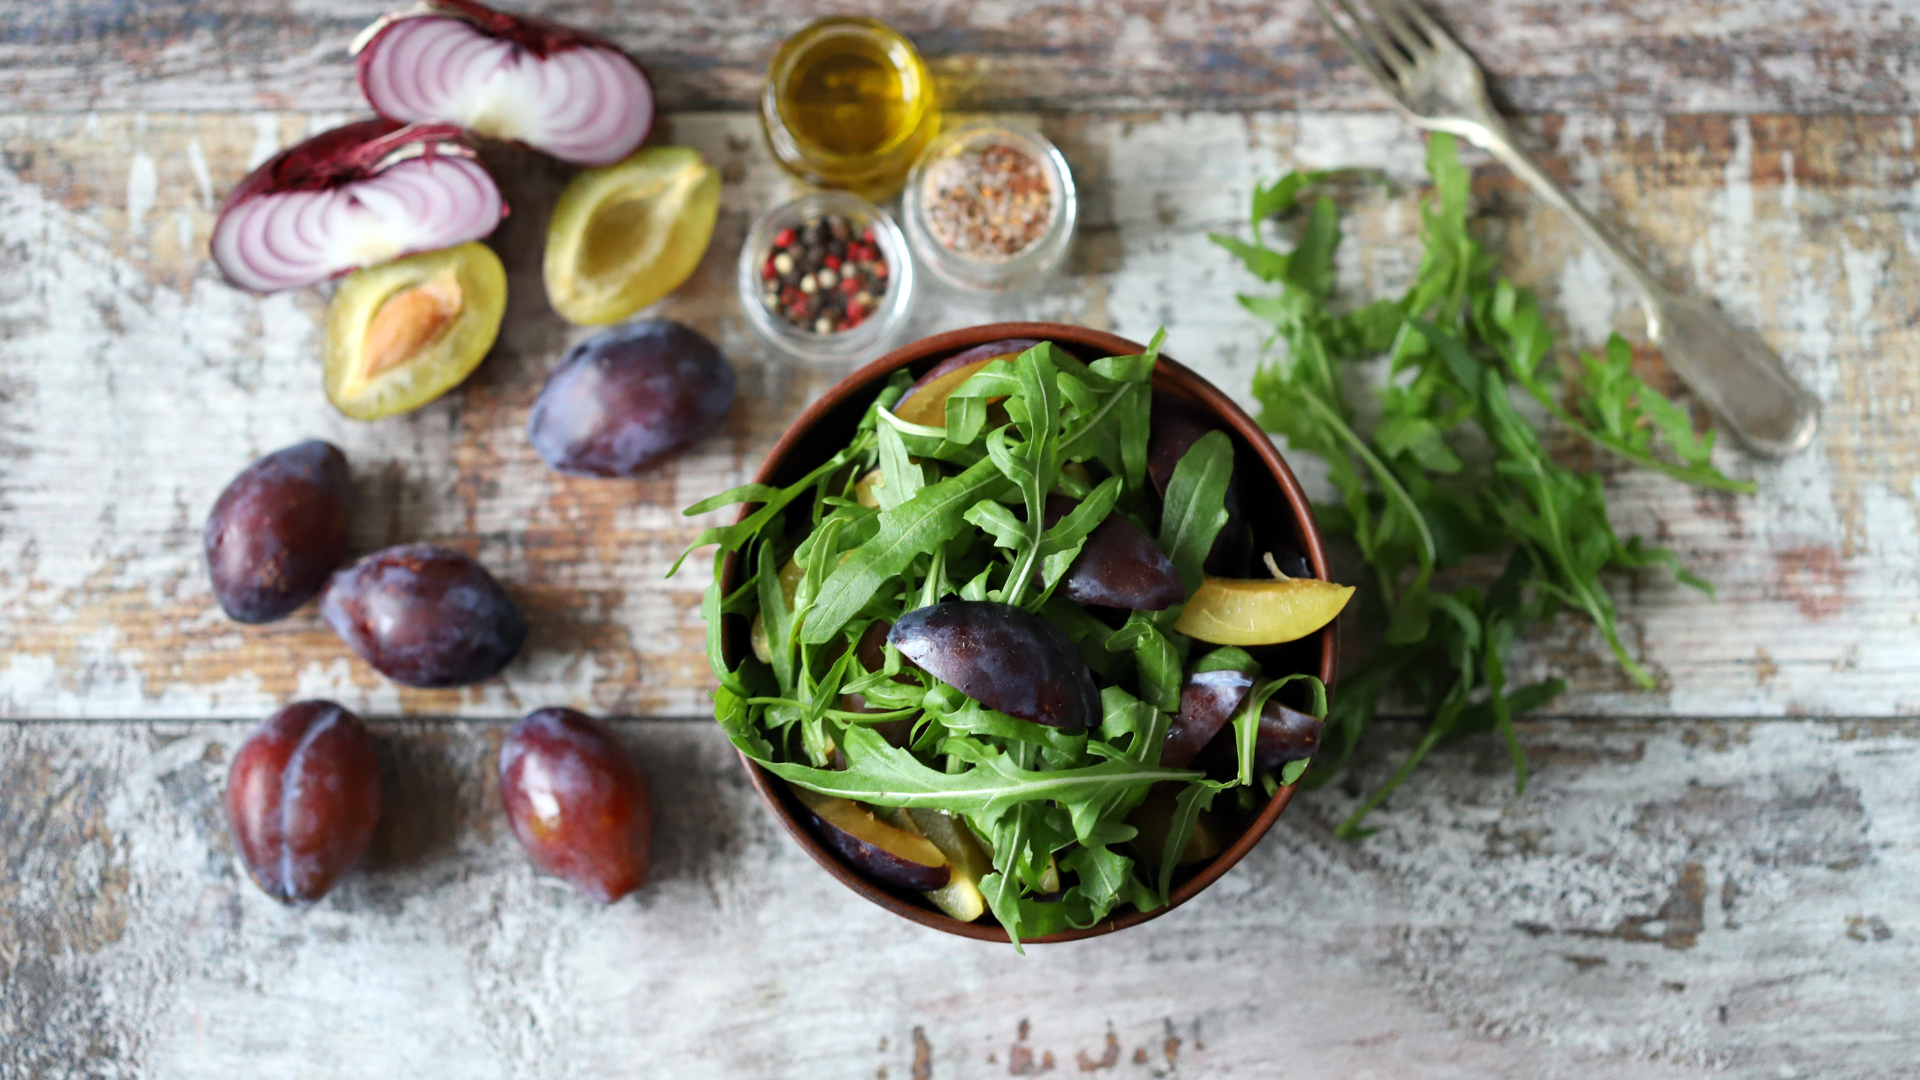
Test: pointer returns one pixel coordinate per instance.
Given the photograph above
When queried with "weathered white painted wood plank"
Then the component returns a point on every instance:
(1800, 56)
(136, 384)
(1674, 899)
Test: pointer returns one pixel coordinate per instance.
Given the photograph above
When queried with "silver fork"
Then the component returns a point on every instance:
(1438, 86)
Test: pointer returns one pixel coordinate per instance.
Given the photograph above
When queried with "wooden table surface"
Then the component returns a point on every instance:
(1713, 877)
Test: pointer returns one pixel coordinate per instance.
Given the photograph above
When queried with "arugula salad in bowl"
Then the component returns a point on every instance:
(1013, 635)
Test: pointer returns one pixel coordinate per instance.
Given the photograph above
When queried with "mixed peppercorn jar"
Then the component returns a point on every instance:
(826, 277)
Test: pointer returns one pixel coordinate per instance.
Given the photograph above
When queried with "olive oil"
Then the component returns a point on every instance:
(849, 104)
(846, 96)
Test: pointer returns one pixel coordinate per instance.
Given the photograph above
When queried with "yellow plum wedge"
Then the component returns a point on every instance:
(1229, 611)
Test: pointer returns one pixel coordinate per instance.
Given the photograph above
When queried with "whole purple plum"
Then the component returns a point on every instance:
(303, 797)
(425, 616)
(626, 400)
(278, 530)
(578, 802)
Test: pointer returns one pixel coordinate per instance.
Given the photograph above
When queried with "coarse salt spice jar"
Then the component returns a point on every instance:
(826, 278)
(990, 206)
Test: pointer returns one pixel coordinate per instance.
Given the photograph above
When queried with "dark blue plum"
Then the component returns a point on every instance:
(303, 797)
(578, 802)
(1003, 657)
(425, 616)
(1207, 702)
(278, 530)
(1119, 566)
(624, 401)
(1285, 735)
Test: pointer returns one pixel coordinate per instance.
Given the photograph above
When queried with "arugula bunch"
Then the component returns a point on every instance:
(961, 512)
(1451, 469)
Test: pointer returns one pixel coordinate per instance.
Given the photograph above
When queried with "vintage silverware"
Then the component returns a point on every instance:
(1438, 86)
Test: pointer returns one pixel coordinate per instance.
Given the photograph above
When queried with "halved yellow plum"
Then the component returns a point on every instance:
(405, 332)
(1228, 611)
(928, 405)
(960, 897)
(625, 235)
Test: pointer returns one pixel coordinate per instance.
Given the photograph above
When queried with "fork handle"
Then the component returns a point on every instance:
(1738, 376)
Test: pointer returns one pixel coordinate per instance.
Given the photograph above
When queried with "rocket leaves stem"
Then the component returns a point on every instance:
(1414, 501)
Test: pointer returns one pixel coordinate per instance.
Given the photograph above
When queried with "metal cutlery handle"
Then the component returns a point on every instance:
(1438, 85)
(1739, 377)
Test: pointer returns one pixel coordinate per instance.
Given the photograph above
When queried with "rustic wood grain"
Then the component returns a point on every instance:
(1793, 56)
(136, 384)
(1680, 899)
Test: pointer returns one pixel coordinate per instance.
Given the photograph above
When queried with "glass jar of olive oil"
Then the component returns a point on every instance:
(849, 104)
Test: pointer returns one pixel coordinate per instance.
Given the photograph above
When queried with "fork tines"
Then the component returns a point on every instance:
(1402, 37)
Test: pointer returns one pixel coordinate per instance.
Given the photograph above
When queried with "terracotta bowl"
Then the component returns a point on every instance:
(1276, 510)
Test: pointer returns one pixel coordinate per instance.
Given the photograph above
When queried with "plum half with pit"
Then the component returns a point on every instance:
(425, 616)
(627, 399)
(577, 802)
(402, 334)
(278, 530)
(1003, 657)
(302, 800)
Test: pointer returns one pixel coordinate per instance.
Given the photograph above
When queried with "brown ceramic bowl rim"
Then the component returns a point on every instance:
(1167, 375)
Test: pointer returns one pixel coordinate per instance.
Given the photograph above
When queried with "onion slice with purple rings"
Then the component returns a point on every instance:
(353, 197)
(575, 97)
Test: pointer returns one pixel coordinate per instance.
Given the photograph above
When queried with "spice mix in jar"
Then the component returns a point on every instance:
(990, 205)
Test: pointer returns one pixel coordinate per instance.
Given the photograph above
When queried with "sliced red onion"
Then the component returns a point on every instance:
(558, 91)
(356, 196)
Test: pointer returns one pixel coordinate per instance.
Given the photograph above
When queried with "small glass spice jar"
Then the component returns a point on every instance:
(990, 206)
(826, 278)
(848, 103)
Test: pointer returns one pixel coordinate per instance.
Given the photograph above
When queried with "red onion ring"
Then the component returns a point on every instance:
(356, 196)
(563, 93)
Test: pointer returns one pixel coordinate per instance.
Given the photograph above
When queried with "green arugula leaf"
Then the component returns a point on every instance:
(1261, 261)
(885, 776)
(1196, 505)
(1156, 660)
(776, 620)
(933, 516)
(1193, 798)
(1227, 658)
(901, 479)
(1413, 502)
